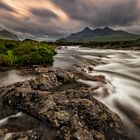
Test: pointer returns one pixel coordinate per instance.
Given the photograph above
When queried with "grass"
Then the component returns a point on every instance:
(25, 53)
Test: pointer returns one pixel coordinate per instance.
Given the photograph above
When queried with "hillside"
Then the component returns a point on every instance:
(4, 34)
(101, 35)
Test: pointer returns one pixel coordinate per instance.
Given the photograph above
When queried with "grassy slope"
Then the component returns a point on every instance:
(117, 37)
(4, 37)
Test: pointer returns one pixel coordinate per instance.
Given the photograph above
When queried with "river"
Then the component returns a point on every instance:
(121, 69)
(12, 76)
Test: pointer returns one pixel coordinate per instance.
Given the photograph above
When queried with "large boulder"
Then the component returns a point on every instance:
(63, 113)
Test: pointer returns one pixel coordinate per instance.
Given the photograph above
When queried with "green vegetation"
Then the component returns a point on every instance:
(25, 53)
(132, 44)
(116, 37)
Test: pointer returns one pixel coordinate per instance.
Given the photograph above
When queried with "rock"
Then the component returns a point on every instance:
(25, 135)
(69, 114)
(41, 70)
(90, 68)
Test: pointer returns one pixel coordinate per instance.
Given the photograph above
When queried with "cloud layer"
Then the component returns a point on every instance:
(57, 18)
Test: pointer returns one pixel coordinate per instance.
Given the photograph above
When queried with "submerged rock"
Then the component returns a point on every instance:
(68, 113)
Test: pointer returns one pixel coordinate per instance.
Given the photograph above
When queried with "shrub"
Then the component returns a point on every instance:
(3, 49)
(25, 53)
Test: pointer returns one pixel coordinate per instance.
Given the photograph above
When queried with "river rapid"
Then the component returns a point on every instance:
(120, 68)
(122, 71)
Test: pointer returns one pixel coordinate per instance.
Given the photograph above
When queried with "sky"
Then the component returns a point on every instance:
(53, 19)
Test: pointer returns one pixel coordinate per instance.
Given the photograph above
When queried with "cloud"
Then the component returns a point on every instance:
(58, 18)
(43, 13)
(38, 19)
(6, 7)
(29, 25)
(101, 13)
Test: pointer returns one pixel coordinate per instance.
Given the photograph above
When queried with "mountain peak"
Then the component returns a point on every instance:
(86, 29)
(100, 34)
(107, 28)
(4, 31)
(5, 34)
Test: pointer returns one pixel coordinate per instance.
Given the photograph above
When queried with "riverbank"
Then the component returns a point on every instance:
(59, 104)
(116, 45)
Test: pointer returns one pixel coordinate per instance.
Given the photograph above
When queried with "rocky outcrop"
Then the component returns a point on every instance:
(61, 108)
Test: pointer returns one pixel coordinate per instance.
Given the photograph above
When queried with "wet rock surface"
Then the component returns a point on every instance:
(56, 106)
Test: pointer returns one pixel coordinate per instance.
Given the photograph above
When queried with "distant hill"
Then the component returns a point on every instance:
(101, 35)
(4, 34)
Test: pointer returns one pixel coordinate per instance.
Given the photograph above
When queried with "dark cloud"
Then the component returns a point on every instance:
(6, 7)
(37, 26)
(62, 17)
(101, 14)
(43, 13)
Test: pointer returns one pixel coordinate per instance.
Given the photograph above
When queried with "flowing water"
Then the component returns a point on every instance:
(122, 71)
(120, 68)
(12, 76)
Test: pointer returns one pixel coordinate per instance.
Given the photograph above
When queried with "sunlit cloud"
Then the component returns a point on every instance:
(23, 8)
(20, 8)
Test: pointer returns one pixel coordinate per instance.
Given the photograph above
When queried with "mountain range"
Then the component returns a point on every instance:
(86, 35)
(101, 35)
(4, 34)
